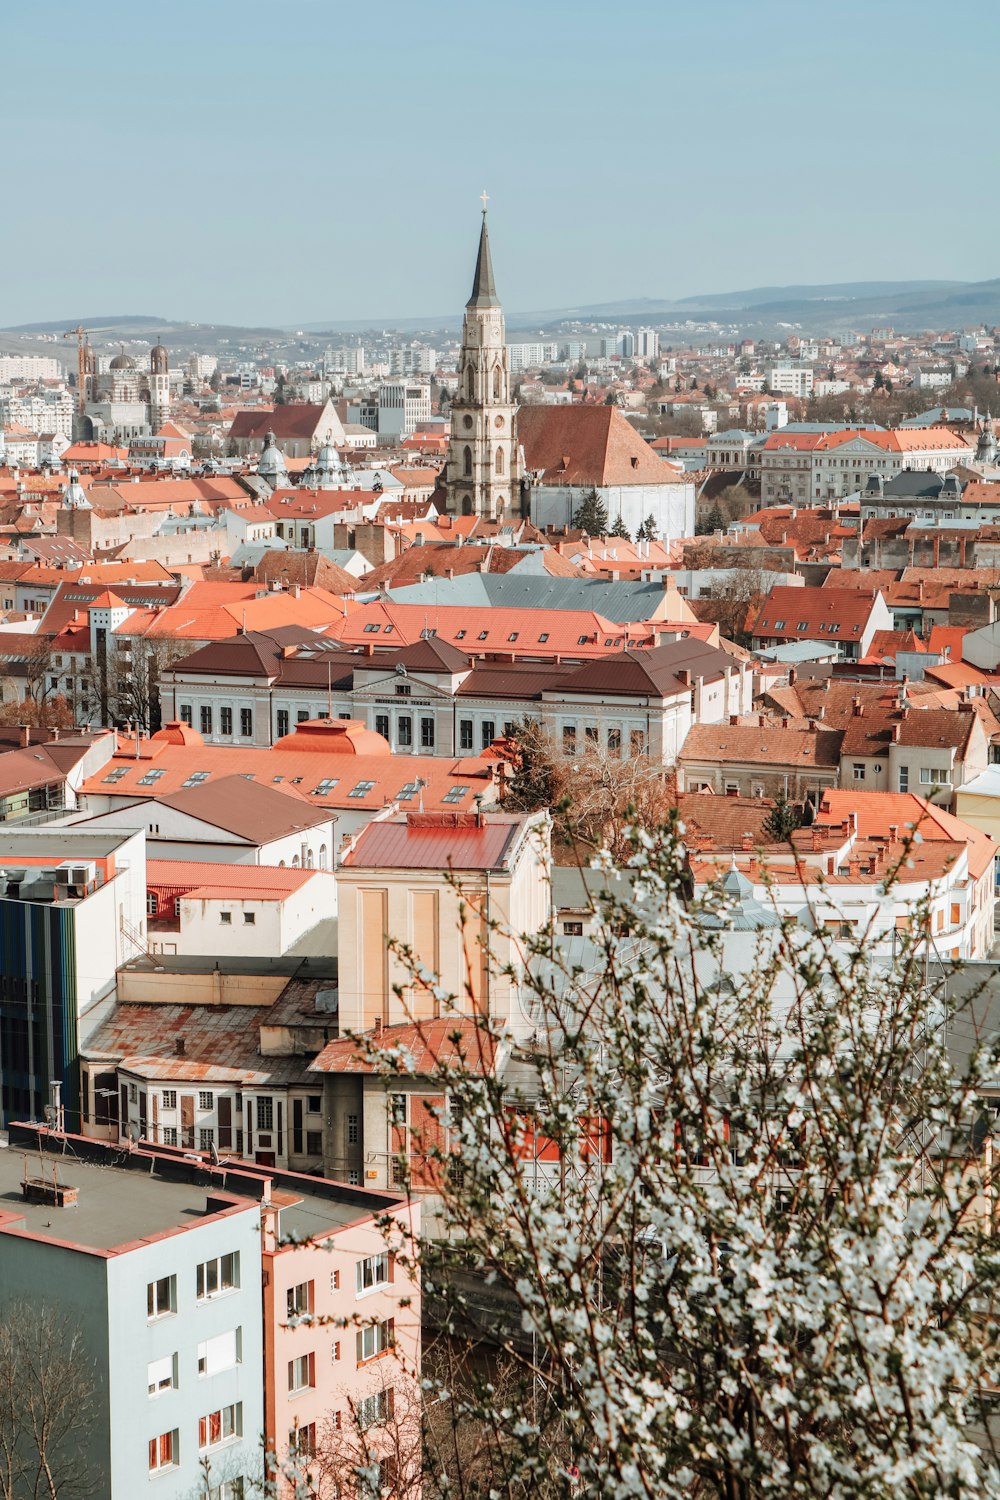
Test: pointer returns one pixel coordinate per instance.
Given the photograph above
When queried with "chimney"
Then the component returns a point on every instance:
(734, 792)
(893, 832)
(24, 736)
(684, 678)
(180, 1047)
(854, 869)
(752, 867)
(852, 822)
(734, 719)
(792, 676)
(786, 723)
(856, 708)
(762, 720)
(746, 843)
(817, 838)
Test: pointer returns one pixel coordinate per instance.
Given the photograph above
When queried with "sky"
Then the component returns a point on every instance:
(262, 164)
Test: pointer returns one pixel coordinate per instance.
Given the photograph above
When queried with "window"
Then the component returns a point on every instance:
(281, 723)
(150, 903)
(572, 929)
(161, 1297)
(116, 774)
(185, 713)
(376, 1410)
(302, 1441)
(569, 739)
(404, 730)
(335, 1351)
(225, 720)
(934, 776)
(206, 1138)
(859, 771)
(314, 1143)
(206, 1099)
(544, 636)
(614, 742)
(161, 1374)
(408, 792)
(482, 635)
(133, 1093)
(164, 1451)
(592, 735)
(335, 1281)
(382, 725)
(265, 1113)
(214, 1277)
(170, 1135)
(229, 1489)
(246, 722)
(302, 1372)
(220, 1426)
(372, 629)
(374, 1340)
(373, 1272)
(362, 789)
(325, 787)
(488, 733)
(904, 778)
(249, 918)
(301, 715)
(460, 635)
(427, 734)
(226, 918)
(397, 1109)
(196, 778)
(205, 719)
(300, 1302)
(314, 1104)
(353, 1177)
(637, 741)
(455, 794)
(151, 777)
(352, 1130)
(220, 1353)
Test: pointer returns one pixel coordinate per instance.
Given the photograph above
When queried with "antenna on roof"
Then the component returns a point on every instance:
(329, 691)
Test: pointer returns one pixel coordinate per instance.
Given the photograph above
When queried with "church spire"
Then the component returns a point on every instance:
(484, 291)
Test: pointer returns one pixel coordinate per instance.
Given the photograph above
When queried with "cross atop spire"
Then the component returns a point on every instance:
(484, 292)
(484, 199)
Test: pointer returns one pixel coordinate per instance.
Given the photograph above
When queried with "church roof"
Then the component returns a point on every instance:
(588, 446)
(484, 291)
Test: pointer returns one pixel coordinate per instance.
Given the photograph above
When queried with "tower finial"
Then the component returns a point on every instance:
(484, 199)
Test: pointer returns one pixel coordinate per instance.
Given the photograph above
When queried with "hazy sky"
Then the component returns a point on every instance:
(230, 160)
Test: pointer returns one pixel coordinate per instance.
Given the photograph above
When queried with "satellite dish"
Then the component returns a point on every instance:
(401, 669)
(214, 1153)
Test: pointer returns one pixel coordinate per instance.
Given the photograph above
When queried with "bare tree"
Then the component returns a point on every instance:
(46, 1406)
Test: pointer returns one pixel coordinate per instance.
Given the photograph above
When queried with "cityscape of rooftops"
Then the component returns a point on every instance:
(500, 753)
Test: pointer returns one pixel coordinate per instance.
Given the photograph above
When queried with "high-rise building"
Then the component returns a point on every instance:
(482, 473)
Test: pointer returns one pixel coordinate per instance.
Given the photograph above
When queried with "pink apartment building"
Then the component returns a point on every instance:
(341, 1337)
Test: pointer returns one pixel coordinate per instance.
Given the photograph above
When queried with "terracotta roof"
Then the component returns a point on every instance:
(747, 744)
(308, 569)
(808, 613)
(419, 1047)
(588, 446)
(297, 419)
(877, 812)
(436, 841)
(212, 881)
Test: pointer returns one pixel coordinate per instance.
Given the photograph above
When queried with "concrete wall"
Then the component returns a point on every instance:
(672, 506)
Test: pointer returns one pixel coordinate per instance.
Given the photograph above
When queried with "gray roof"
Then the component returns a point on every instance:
(484, 291)
(794, 651)
(932, 417)
(619, 602)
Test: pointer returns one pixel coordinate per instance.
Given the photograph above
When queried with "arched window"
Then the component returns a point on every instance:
(309, 858)
(498, 466)
(468, 460)
(496, 382)
(281, 864)
(470, 382)
(322, 856)
(295, 862)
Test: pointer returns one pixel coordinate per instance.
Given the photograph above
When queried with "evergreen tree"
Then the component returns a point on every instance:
(592, 515)
(782, 821)
(215, 383)
(647, 531)
(620, 529)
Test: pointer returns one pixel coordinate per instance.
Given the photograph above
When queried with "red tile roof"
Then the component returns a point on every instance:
(419, 1048)
(588, 446)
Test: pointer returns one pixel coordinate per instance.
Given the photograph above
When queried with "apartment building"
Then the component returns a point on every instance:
(72, 909)
(226, 1314)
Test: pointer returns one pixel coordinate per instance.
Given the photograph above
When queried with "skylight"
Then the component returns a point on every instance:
(362, 789)
(326, 785)
(117, 773)
(196, 777)
(408, 792)
(456, 794)
(149, 777)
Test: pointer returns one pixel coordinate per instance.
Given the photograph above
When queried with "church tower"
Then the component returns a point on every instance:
(159, 387)
(482, 474)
